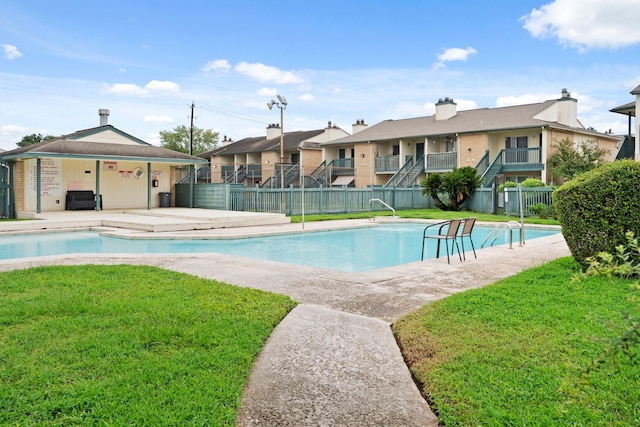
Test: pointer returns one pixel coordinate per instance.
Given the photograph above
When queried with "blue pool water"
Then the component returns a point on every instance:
(352, 250)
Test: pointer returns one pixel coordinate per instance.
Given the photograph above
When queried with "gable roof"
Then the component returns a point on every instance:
(292, 140)
(70, 146)
(466, 121)
(85, 133)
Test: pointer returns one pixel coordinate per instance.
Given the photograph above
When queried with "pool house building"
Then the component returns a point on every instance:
(116, 170)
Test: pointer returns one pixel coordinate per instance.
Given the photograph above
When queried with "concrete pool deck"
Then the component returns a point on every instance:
(333, 360)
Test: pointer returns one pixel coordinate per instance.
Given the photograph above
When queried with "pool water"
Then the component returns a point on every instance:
(351, 250)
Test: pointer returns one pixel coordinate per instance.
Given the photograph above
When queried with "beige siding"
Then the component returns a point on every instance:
(310, 160)
(108, 136)
(269, 161)
(363, 164)
(19, 185)
(119, 187)
(471, 148)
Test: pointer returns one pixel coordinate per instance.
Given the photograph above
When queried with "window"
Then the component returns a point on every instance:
(450, 145)
(516, 149)
(396, 150)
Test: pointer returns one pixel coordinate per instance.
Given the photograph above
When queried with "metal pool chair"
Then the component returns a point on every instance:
(467, 228)
(451, 233)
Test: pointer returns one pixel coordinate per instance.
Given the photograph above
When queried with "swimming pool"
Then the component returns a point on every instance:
(349, 250)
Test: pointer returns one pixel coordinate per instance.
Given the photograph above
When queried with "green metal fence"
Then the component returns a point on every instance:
(530, 197)
(237, 197)
(290, 200)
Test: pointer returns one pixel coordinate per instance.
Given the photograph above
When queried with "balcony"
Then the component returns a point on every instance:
(387, 164)
(341, 166)
(521, 159)
(441, 162)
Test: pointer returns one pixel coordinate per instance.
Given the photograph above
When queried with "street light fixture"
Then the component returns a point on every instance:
(282, 105)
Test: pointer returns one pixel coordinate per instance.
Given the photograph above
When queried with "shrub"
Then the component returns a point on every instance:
(541, 209)
(508, 184)
(450, 190)
(532, 183)
(597, 208)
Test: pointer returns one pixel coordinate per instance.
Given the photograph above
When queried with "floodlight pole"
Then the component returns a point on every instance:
(282, 105)
(282, 146)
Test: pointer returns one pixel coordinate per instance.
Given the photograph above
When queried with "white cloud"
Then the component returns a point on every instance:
(527, 98)
(453, 54)
(586, 24)
(267, 73)
(158, 119)
(153, 138)
(126, 89)
(265, 91)
(586, 103)
(217, 65)
(167, 86)
(306, 97)
(11, 52)
(130, 89)
(13, 130)
(465, 104)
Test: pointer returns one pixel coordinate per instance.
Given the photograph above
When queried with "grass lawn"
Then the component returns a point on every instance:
(127, 345)
(425, 214)
(513, 353)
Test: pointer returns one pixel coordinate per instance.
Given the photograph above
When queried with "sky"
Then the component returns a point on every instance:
(340, 61)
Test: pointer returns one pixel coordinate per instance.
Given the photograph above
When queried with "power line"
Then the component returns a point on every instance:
(232, 114)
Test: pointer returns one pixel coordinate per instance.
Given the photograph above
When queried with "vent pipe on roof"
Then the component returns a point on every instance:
(104, 116)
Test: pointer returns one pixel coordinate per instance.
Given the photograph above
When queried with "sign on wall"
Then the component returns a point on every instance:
(110, 166)
(50, 177)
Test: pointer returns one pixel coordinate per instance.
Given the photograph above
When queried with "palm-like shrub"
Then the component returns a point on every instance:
(450, 190)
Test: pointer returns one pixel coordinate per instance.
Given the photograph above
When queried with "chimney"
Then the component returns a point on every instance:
(273, 131)
(445, 109)
(567, 109)
(104, 116)
(358, 126)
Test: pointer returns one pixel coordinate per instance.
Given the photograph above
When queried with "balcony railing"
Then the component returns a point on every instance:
(438, 162)
(521, 159)
(341, 166)
(387, 164)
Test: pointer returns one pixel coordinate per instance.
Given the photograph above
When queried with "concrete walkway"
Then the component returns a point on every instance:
(333, 361)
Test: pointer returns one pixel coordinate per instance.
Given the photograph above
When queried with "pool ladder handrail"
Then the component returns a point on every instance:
(499, 229)
(384, 204)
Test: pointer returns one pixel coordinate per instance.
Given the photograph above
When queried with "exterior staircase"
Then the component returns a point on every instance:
(411, 176)
(627, 149)
(397, 177)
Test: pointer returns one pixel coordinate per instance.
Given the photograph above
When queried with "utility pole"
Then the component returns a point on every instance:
(192, 170)
(193, 105)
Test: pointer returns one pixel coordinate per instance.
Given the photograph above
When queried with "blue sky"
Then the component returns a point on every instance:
(337, 61)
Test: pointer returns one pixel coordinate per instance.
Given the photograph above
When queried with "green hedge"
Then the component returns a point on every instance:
(597, 208)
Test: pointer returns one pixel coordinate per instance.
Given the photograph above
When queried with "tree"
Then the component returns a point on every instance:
(179, 139)
(34, 138)
(572, 160)
(456, 186)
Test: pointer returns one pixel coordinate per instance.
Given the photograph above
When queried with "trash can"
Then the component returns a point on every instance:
(165, 200)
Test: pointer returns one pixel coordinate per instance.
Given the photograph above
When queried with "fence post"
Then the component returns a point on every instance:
(290, 199)
(345, 198)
